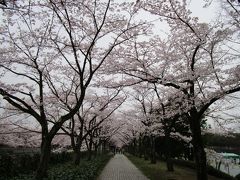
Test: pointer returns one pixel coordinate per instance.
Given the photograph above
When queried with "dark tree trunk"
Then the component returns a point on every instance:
(77, 152)
(89, 154)
(104, 148)
(168, 153)
(96, 145)
(219, 165)
(90, 149)
(190, 154)
(77, 155)
(169, 164)
(198, 147)
(134, 147)
(153, 151)
(140, 147)
(146, 147)
(146, 155)
(44, 159)
(200, 157)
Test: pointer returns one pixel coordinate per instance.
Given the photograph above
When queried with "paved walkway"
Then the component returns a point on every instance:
(120, 168)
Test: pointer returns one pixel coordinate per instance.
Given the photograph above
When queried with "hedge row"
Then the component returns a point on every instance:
(211, 170)
(87, 170)
(14, 164)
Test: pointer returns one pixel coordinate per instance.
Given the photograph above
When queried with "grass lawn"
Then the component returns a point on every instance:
(158, 171)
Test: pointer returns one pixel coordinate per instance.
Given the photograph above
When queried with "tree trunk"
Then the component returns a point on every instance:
(198, 147)
(77, 151)
(95, 145)
(153, 151)
(168, 153)
(134, 147)
(145, 148)
(145, 155)
(169, 165)
(104, 148)
(77, 156)
(200, 157)
(140, 147)
(219, 165)
(44, 159)
(90, 149)
(89, 154)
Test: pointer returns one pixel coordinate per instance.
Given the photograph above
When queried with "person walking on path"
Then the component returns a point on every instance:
(120, 168)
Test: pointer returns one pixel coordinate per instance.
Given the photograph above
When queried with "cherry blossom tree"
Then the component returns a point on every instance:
(163, 116)
(87, 122)
(8, 4)
(193, 60)
(3, 2)
(129, 128)
(17, 137)
(15, 129)
(110, 132)
(50, 49)
(146, 101)
(232, 10)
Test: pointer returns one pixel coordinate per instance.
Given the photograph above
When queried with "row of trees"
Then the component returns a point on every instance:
(50, 53)
(163, 126)
(56, 54)
(89, 130)
(198, 62)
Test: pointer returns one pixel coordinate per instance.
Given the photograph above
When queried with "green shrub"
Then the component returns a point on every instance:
(87, 170)
(6, 166)
(238, 177)
(14, 164)
(60, 157)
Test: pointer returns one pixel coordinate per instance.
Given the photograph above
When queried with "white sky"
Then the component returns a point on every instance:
(204, 14)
